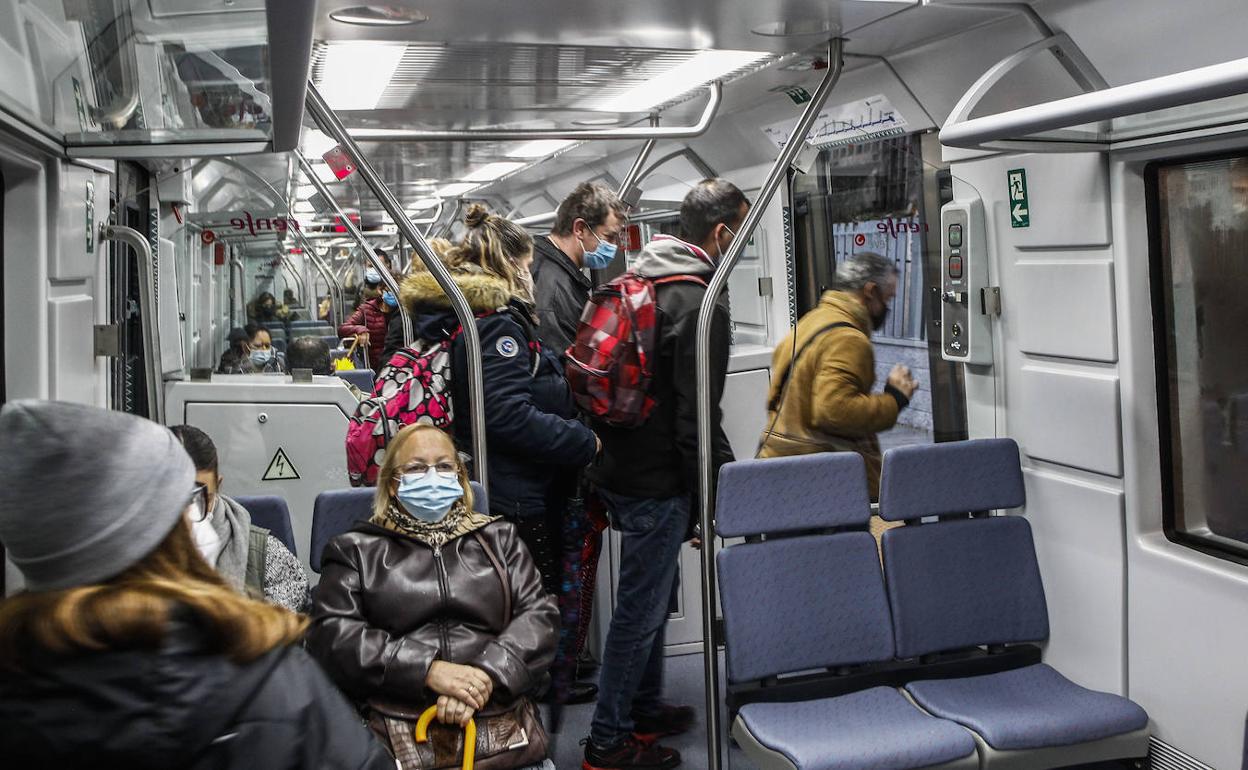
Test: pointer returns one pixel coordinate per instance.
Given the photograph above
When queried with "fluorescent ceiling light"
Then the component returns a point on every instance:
(356, 72)
(455, 190)
(704, 67)
(491, 171)
(540, 148)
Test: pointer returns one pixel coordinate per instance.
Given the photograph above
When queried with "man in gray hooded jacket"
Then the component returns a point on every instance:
(648, 477)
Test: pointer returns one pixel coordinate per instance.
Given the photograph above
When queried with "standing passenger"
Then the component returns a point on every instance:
(824, 403)
(648, 476)
(127, 649)
(250, 558)
(586, 234)
(532, 434)
(368, 323)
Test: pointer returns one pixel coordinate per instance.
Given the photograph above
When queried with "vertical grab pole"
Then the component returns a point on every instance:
(634, 173)
(147, 314)
(329, 123)
(703, 371)
(386, 277)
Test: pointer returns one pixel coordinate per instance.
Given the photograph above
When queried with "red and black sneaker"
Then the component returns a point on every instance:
(630, 754)
(666, 720)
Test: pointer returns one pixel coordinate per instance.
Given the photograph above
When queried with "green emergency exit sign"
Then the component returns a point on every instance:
(1020, 209)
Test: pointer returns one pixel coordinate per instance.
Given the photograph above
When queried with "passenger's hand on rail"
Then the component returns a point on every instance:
(362, 338)
(597, 445)
(471, 685)
(452, 711)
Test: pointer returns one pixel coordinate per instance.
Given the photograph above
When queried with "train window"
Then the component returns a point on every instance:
(1199, 229)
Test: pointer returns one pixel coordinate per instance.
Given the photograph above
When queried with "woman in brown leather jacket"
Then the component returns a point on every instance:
(411, 608)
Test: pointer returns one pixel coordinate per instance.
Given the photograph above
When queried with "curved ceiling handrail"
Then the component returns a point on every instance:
(716, 89)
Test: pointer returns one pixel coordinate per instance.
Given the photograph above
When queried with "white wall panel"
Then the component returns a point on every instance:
(1083, 580)
(1066, 308)
(1068, 417)
(71, 349)
(1068, 200)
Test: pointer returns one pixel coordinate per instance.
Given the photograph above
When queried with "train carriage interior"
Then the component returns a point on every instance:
(1061, 186)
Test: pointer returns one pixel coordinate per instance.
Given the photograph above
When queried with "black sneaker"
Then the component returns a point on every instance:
(667, 720)
(630, 754)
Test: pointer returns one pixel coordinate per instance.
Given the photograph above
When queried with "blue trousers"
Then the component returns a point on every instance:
(631, 678)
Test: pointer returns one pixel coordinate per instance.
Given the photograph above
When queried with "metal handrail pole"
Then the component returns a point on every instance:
(703, 373)
(331, 283)
(147, 313)
(237, 301)
(329, 123)
(377, 262)
(289, 265)
(634, 173)
(582, 134)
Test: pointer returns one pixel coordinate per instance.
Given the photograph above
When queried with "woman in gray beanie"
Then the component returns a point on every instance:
(127, 649)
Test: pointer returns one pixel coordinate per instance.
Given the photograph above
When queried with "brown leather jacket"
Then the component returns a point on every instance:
(388, 606)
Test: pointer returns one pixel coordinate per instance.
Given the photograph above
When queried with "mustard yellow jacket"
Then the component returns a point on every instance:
(827, 404)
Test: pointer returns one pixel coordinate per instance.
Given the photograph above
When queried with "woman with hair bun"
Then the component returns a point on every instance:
(534, 440)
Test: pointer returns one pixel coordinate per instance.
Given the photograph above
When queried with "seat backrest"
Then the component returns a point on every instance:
(798, 603)
(954, 477)
(967, 582)
(270, 512)
(963, 583)
(360, 378)
(792, 494)
(333, 513)
(801, 603)
(337, 510)
(319, 330)
(279, 345)
(276, 331)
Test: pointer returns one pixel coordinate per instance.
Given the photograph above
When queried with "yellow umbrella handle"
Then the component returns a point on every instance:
(470, 735)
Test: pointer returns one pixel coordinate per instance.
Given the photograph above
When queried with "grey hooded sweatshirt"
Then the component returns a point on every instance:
(659, 459)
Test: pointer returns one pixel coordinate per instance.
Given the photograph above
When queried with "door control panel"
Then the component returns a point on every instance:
(965, 329)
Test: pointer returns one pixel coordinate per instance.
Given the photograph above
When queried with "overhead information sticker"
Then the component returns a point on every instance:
(280, 468)
(1020, 214)
(856, 121)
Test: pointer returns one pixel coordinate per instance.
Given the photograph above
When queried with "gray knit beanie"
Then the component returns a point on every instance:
(85, 493)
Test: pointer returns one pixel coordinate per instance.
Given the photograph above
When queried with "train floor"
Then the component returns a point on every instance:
(684, 684)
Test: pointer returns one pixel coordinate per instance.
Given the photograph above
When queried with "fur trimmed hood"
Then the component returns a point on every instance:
(420, 292)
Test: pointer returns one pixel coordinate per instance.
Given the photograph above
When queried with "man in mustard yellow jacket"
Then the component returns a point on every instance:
(823, 402)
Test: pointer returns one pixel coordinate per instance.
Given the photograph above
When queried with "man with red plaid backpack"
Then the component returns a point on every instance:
(648, 475)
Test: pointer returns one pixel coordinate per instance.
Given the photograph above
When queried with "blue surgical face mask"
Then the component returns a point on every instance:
(372, 276)
(389, 298)
(261, 357)
(601, 256)
(429, 496)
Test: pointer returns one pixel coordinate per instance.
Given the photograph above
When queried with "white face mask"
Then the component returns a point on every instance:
(208, 541)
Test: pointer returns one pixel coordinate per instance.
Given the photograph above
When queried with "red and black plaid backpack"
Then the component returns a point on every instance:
(611, 361)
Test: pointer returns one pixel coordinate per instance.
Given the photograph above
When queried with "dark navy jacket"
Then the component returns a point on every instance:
(534, 440)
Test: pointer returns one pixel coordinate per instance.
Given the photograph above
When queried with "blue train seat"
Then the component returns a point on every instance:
(337, 510)
(811, 596)
(972, 580)
(319, 330)
(270, 512)
(360, 378)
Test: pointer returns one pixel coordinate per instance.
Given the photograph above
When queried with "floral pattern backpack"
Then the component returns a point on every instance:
(414, 386)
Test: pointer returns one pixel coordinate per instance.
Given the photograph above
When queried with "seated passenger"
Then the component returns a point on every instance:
(312, 353)
(126, 650)
(250, 558)
(264, 309)
(412, 606)
(255, 356)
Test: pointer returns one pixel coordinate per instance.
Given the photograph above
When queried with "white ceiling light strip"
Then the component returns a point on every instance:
(692, 73)
(356, 73)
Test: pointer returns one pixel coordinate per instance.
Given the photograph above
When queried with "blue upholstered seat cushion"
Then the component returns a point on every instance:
(790, 494)
(271, 513)
(1029, 708)
(802, 603)
(876, 729)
